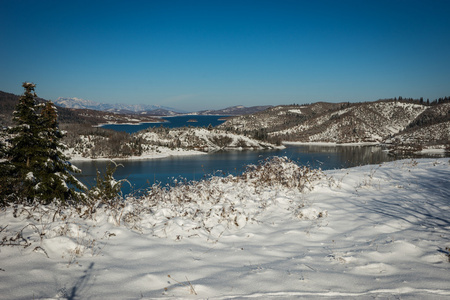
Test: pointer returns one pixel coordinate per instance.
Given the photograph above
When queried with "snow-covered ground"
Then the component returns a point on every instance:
(377, 231)
(155, 152)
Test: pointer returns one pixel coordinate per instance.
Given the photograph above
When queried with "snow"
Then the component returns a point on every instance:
(376, 231)
(296, 111)
(438, 151)
(30, 176)
(366, 122)
(192, 141)
(154, 153)
(332, 144)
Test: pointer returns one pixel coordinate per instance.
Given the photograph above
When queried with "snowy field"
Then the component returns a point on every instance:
(372, 232)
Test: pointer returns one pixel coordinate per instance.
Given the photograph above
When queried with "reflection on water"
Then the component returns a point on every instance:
(143, 173)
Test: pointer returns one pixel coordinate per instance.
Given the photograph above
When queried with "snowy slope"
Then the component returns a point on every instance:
(201, 139)
(234, 110)
(367, 122)
(378, 231)
(438, 134)
(162, 142)
(373, 122)
(278, 117)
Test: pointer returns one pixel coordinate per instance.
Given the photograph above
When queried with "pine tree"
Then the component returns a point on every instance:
(40, 170)
(6, 172)
(57, 182)
(26, 152)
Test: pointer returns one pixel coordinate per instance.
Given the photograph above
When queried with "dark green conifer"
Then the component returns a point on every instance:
(38, 168)
(26, 152)
(56, 179)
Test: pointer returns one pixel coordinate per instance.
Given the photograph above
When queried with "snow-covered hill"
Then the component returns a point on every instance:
(368, 122)
(235, 110)
(435, 136)
(159, 142)
(278, 117)
(347, 123)
(202, 139)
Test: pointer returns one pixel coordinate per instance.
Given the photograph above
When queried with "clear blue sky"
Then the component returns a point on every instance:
(196, 55)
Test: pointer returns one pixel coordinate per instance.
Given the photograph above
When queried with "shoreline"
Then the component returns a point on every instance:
(154, 122)
(331, 144)
(145, 156)
(135, 124)
(439, 149)
(166, 152)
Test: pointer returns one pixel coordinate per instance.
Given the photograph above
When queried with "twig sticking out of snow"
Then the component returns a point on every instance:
(189, 285)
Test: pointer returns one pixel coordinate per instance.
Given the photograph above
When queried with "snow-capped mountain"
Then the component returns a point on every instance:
(76, 103)
(118, 107)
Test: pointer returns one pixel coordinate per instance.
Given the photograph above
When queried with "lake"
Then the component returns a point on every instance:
(170, 122)
(143, 173)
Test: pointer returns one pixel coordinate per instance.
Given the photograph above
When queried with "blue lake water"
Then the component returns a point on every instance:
(143, 173)
(170, 122)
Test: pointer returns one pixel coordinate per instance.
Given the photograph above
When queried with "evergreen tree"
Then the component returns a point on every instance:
(56, 179)
(108, 189)
(26, 152)
(40, 170)
(6, 172)
(3, 148)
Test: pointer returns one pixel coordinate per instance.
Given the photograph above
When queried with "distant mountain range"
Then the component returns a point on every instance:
(153, 110)
(75, 110)
(8, 103)
(118, 107)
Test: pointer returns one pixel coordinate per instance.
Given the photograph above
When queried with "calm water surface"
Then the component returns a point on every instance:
(171, 122)
(143, 173)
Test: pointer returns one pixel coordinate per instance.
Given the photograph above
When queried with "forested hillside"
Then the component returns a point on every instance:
(101, 143)
(411, 122)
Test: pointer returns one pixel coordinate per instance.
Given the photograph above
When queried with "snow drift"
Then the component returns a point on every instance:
(277, 231)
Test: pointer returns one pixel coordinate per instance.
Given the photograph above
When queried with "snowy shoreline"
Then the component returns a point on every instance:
(100, 125)
(153, 155)
(332, 144)
(376, 231)
(166, 152)
(437, 150)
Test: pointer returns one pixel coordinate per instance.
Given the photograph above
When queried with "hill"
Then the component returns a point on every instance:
(395, 122)
(66, 116)
(234, 110)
